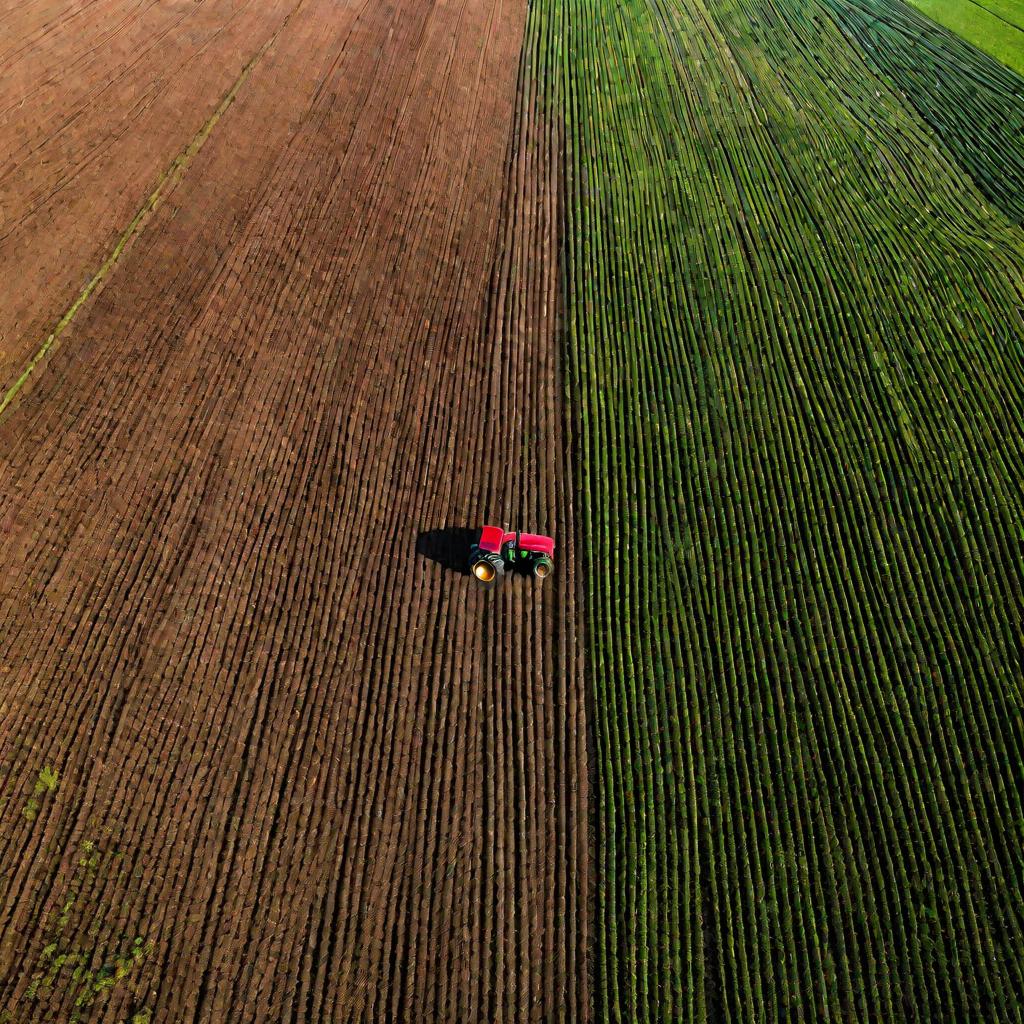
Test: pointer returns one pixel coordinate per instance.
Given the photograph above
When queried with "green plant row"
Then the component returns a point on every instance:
(794, 325)
(977, 107)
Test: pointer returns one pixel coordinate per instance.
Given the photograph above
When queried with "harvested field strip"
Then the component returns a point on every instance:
(794, 340)
(324, 780)
(167, 182)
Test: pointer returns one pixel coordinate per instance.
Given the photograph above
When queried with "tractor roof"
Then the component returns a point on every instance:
(491, 538)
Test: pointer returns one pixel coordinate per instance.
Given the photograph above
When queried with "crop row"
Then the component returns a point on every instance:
(978, 108)
(794, 338)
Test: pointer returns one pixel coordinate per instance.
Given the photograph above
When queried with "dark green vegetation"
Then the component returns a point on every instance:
(975, 105)
(794, 334)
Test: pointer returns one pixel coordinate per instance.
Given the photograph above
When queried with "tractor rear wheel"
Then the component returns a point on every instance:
(489, 570)
(542, 567)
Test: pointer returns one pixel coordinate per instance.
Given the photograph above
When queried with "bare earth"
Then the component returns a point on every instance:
(304, 774)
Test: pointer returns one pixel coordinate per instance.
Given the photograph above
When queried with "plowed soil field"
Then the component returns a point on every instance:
(280, 297)
(726, 295)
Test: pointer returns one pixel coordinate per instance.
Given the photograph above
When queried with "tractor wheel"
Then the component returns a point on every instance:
(489, 570)
(542, 567)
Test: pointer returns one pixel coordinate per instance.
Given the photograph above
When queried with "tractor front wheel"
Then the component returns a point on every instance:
(542, 567)
(488, 570)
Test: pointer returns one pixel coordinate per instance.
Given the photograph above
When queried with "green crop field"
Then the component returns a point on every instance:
(995, 26)
(794, 293)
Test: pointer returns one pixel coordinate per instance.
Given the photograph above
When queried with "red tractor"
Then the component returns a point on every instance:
(496, 549)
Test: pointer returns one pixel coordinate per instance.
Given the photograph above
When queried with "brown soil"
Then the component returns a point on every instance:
(317, 775)
(95, 101)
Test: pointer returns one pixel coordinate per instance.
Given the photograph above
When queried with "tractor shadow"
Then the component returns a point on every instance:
(449, 547)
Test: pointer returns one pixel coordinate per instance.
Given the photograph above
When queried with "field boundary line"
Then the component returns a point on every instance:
(164, 186)
(996, 15)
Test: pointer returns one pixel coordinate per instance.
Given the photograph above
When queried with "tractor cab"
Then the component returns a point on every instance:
(496, 550)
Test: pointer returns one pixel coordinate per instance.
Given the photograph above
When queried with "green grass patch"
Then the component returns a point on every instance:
(79, 967)
(45, 783)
